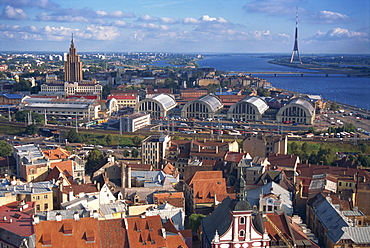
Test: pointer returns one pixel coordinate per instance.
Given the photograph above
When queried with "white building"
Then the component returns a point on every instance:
(135, 121)
(167, 211)
(70, 89)
(80, 108)
(153, 150)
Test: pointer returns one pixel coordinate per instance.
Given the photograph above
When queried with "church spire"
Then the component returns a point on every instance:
(240, 191)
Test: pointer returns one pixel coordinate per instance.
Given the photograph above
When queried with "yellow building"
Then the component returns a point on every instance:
(40, 192)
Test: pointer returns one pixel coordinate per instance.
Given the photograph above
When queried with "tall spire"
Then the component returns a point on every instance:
(240, 191)
(295, 48)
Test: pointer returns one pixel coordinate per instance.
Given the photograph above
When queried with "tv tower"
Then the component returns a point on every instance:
(295, 49)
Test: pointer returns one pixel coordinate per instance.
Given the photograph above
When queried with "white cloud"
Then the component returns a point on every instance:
(259, 34)
(341, 34)
(152, 26)
(165, 20)
(114, 14)
(42, 4)
(276, 7)
(98, 32)
(325, 16)
(119, 23)
(284, 35)
(207, 18)
(14, 13)
(190, 20)
(60, 18)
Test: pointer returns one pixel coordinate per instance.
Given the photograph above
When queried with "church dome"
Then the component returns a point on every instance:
(236, 205)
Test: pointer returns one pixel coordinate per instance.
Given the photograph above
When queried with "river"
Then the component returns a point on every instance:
(349, 90)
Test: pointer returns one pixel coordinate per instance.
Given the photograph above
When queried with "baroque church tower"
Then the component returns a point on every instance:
(73, 65)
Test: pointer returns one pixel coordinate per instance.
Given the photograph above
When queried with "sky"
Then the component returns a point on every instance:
(186, 26)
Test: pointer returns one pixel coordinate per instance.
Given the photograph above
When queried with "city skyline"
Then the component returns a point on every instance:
(178, 26)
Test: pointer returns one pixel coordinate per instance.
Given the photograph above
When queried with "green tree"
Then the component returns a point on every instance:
(31, 129)
(136, 140)
(73, 136)
(109, 139)
(106, 90)
(363, 147)
(126, 153)
(364, 160)
(5, 149)
(134, 153)
(212, 88)
(195, 220)
(68, 148)
(22, 86)
(22, 116)
(294, 147)
(334, 106)
(263, 92)
(94, 159)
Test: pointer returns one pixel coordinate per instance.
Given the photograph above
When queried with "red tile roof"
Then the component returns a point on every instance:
(113, 233)
(282, 160)
(207, 184)
(80, 188)
(308, 170)
(67, 232)
(55, 154)
(122, 97)
(55, 174)
(148, 230)
(234, 156)
(280, 227)
(15, 221)
(66, 166)
(176, 199)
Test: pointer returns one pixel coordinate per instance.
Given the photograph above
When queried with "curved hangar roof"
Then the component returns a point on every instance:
(258, 102)
(212, 101)
(165, 100)
(303, 103)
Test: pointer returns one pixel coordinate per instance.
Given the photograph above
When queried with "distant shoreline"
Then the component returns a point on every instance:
(350, 71)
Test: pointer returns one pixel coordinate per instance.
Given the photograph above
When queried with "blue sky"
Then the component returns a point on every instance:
(186, 26)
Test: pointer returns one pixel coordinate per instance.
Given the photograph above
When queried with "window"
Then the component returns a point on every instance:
(242, 220)
(241, 233)
(340, 183)
(45, 196)
(38, 207)
(46, 206)
(36, 197)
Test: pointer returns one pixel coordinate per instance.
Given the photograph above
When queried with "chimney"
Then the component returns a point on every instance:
(58, 217)
(163, 233)
(36, 219)
(76, 216)
(70, 195)
(10, 220)
(4, 218)
(95, 214)
(129, 177)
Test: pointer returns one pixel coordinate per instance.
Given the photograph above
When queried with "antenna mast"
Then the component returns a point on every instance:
(295, 48)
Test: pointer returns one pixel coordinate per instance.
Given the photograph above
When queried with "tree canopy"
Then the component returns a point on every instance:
(95, 158)
(73, 136)
(31, 129)
(5, 149)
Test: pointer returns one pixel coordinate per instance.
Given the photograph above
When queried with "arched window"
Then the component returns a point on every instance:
(241, 233)
(242, 220)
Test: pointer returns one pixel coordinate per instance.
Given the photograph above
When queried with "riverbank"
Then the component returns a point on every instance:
(329, 69)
